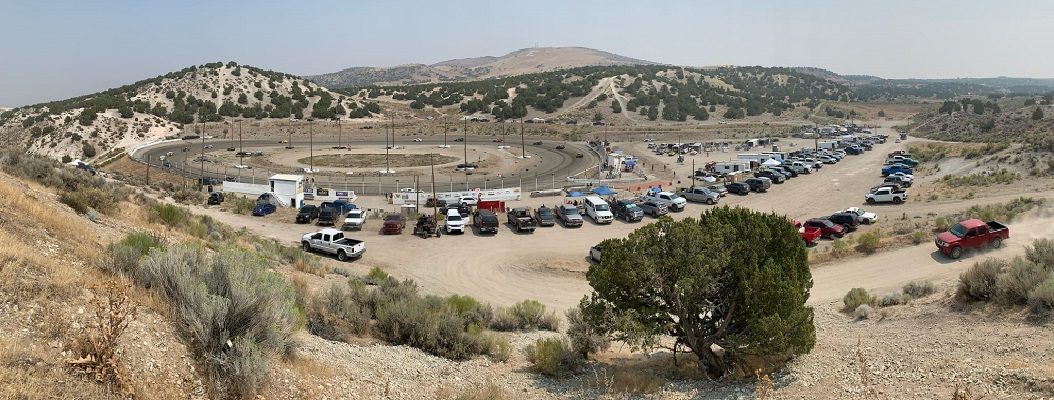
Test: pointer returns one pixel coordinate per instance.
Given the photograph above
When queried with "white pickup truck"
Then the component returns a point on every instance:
(354, 220)
(332, 241)
(670, 200)
(886, 194)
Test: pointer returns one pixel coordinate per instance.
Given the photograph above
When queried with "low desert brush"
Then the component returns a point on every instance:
(97, 348)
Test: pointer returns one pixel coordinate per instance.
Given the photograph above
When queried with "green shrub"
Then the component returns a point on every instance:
(1041, 299)
(552, 357)
(585, 339)
(335, 315)
(979, 282)
(473, 311)
(376, 276)
(236, 313)
(917, 289)
(918, 237)
(500, 349)
(839, 247)
(169, 215)
(530, 313)
(504, 320)
(1014, 286)
(239, 204)
(855, 298)
(427, 324)
(1041, 252)
(75, 201)
(868, 242)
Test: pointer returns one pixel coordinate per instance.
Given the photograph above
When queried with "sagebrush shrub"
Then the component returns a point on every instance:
(235, 311)
(552, 357)
(855, 298)
(890, 299)
(868, 242)
(1041, 252)
(918, 289)
(376, 276)
(979, 282)
(862, 312)
(1014, 286)
(1041, 298)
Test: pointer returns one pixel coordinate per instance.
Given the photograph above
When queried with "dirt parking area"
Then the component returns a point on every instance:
(549, 264)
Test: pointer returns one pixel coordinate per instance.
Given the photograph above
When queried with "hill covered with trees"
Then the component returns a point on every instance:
(161, 106)
(653, 91)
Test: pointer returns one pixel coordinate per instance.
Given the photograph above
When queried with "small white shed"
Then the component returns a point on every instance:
(289, 189)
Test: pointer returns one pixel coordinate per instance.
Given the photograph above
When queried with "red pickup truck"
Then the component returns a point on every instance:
(808, 234)
(971, 233)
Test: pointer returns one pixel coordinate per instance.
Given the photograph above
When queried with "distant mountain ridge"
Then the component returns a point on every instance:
(519, 62)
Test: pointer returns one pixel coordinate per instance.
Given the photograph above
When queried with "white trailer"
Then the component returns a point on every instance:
(728, 167)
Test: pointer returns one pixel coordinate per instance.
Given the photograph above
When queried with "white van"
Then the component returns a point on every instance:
(599, 210)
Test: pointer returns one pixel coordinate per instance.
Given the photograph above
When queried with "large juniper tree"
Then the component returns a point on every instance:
(730, 286)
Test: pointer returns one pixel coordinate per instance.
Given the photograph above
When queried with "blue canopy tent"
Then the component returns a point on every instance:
(603, 191)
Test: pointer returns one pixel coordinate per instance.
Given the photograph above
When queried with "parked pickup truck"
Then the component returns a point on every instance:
(485, 221)
(568, 215)
(355, 219)
(521, 219)
(892, 169)
(545, 217)
(332, 241)
(886, 195)
(969, 234)
(672, 201)
(808, 234)
(700, 194)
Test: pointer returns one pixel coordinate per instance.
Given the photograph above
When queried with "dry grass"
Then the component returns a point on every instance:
(487, 391)
(36, 212)
(32, 372)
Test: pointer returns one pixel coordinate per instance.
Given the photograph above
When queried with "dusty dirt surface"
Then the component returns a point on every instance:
(549, 264)
(372, 160)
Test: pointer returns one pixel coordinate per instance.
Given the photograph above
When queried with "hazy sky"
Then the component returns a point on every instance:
(62, 48)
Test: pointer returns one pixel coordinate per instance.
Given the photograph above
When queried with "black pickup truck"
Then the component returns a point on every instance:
(485, 221)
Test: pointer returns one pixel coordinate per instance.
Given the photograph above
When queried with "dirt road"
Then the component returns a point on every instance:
(549, 265)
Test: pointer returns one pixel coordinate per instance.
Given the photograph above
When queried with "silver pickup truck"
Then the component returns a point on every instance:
(332, 241)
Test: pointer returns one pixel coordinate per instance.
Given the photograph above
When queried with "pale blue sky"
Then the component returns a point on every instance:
(64, 48)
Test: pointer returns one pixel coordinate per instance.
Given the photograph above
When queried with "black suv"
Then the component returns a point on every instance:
(739, 188)
(848, 221)
(306, 214)
(773, 176)
(759, 185)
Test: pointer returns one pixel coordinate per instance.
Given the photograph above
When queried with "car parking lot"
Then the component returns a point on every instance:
(548, 264)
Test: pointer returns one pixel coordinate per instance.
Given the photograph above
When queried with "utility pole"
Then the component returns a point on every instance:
(445, 129)
(465, 140)
(148, 170)
(393, 129)
(340, 132)
(435, 210)
(523, 145)
(202, 174)
(311, 143)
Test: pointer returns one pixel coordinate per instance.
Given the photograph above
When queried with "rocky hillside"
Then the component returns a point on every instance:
(1013, 119)
(88, 126)
(523, 61)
